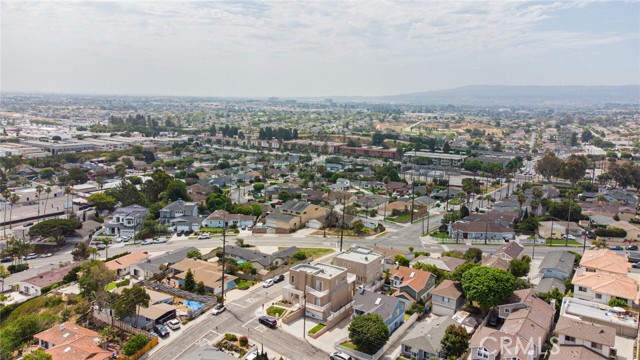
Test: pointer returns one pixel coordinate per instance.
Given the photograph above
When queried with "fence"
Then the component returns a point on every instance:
(178, 292)
(107, 319)
(150, 345)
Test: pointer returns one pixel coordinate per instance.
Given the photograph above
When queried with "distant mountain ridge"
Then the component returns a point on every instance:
(496, 95)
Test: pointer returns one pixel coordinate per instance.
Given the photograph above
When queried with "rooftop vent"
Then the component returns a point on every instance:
(378, 300)
(413, 273)
(67, 349)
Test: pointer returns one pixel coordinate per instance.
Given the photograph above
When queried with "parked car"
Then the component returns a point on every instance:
(218, 309)
(268, 321)
(278, 278)
(27, 224)
(6, 259)
(267, 283)
(126, 238)
(119, 239)
(636, 265)
(204, 236)
(632, 247)
(31, 256)
(101, 246)
(161, 330)
(173, 324)
(160, 240)
(616, 248)
(46, 255)
(339, 355)
(570, 237)
(180, 233)
(147, 242)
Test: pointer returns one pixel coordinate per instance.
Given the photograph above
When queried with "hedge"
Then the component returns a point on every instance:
(611, 232)
(135, 343)
(17, 268)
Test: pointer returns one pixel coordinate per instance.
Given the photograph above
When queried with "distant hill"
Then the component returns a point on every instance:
(496, 95)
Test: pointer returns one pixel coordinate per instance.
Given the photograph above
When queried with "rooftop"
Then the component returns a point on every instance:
(585, 310)
(360, 254)
(320, 269)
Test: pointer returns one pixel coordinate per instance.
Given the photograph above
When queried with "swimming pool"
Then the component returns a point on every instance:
(193, 305)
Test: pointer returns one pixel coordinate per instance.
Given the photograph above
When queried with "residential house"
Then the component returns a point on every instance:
(527, 325)
(222, 218)
(624, 323)
(496, 262)
(411, 285)
(122, 264)
(509, 251)
(33, 285)
(582, 340)
(260, 260)
(447, 298)
(604, 261)
(369, 202)
(178, 209)
(364, 263)
(559, 229)
(148, 268)
(445, 263)
(423, 342)
(328, 289)
(557, 264)
(481, 231)
(398, 187)
(209, 273)
(126, 221)
(601, 287)
(389, 308)
(69, 341)
(293, 214)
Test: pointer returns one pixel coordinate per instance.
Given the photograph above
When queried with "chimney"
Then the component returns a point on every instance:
(361, 289)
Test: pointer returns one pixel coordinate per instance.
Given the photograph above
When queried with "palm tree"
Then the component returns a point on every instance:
(47, 190)
(39, 189)
(67, 191)
(521, 199)
(3, 275)
(13, 199)
(100, 181)
(93, 251)
(534, 206)
(6, 194)
(106, 241)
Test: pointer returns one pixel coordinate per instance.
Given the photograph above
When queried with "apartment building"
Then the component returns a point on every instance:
(327, 288)
(364, 263)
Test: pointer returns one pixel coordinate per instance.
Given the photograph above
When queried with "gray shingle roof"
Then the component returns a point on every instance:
(295, 206)
(251, 255)
(366, 301)
(548, 284)
(427, 336)
(180, 205)
(561, 260)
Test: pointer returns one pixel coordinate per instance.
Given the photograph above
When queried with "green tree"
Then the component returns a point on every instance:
(47, 173)
(459, 272)
(102, 202)
(359, 228)
(440, 274)
(194, 254)
(401, 260)
(377, 138)
(464, 211)
(473, 254)
(487, 286)
(574, 168)
(4, 273)
(218, 201)
(130, 301)
(134, 344)
(95, 277)
(37, 355)
(176, 190)
(81, 252)
(189, 281)
(284, 195)
(518, 268)
(258, 187)
(200, 289)
(369, 333)
(127, 194)
(55, 227)
(549, 166)
(455, 341)
(618, 302)
(554, 294)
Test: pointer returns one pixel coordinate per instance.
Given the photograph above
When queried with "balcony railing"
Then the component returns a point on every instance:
(317, 293)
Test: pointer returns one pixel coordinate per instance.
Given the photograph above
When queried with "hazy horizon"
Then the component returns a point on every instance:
(313, 49)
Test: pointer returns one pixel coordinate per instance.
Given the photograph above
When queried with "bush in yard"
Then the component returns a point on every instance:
(244, 341)
(135, 343)
(618, 302)
(611, 232)
(369, 333)
(17, 268)
(300, 255)
(230, 337)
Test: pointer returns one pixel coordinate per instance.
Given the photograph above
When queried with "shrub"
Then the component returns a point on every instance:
(300, 255)
(230, 337)
(244, 341)
(135, 343)
(618, 302)
(611, 232)
(117, 256)
(124, 282)
(17, 268)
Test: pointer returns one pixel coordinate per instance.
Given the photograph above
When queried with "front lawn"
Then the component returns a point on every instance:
(316, 328)
(276, 311)
(313, 252)
(243, 284)
(562, 242)
(455, 202)
(110, 286)
(400, 218)
(350, 345)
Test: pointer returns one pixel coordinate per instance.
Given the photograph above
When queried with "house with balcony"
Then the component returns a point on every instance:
(555, 268)
(364, 263)
(583, 340)
(176, 209)
(389, 308)
(604, 261)
(527, 325)
(293, 214)
(126, 221)
(447, 298)
(411, 285)
(328, 290)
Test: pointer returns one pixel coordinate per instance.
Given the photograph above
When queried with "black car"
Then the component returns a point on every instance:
(6, 259)
(632, 248)
(161, 330)
(268, 321)
(278, 278)
(636, 265)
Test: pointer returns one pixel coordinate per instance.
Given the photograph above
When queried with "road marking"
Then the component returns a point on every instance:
(247, 323)
(261, 328)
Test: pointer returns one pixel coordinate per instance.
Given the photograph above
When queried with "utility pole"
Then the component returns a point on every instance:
(447, 198)
(413, 196)
(486, 231)
(224, 238)
(304, 309)
(344, 205)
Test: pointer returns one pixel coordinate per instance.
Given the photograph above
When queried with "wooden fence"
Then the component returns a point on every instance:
(153, 342)
(110, 320)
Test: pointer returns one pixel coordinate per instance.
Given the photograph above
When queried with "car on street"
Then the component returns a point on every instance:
(278, 278)
(31, 256)
(118, 239)
(161, 330)
(101, 246)
(252, 356)
(636, 265)
(218, 309)
(339, 355)
(147, 242)
(204, 236)
(570, 237)
(267, 283)
(160, 240)
(126, 238)
(46, 255)
(268, 321)
(173, 324)
(180, 233)
(616, 248)
(632, 247)
(27, 224)
(6, 259)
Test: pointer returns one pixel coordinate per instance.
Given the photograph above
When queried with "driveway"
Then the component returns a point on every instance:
(326, 341)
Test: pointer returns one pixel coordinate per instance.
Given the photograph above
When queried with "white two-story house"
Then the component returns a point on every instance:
(126, 221)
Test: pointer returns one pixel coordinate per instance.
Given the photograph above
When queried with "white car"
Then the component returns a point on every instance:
(147, 242)
(46, 255)
(119, 240)
(160, 240)
(339, 355)
(204, 236)
(267, 283)
(173, 324)
(218, 309)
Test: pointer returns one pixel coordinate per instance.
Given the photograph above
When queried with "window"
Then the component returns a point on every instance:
(318, 285)
(292, 279)
(596, 345)
(445, 299)
(507, 310)
(569, 338)
(582, 289)
(598, 296)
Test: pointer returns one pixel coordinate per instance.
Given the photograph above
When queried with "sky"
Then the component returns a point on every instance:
(313, 48)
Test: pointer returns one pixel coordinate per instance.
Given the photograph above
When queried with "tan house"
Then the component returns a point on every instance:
(327, 288)
(447, 298)
(209, 273)
(121, 265)
(604, 260)
(69, 341)
(583, 340)
(364, 263)
(293, 214)
(601, 287)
